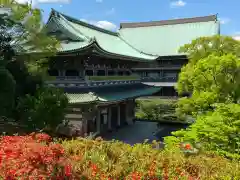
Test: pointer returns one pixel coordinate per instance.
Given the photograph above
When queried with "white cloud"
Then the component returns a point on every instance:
(236, 36)
(54, 1)
(178, 3)
(102, 24)
(106, 25)
(224, 20)
(99, 1)
(35, 2)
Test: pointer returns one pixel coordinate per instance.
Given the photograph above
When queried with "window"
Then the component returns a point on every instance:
(53, 72)
(71, 73)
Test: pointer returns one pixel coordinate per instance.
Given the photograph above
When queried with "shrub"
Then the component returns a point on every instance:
(36, 156)
(98, 159)
(158, 110)
(32, 157)
(45, 110)
(217, 131)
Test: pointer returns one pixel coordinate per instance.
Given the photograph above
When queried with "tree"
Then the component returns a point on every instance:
(201, 48)
(23, 27)
(24, 36)
(214, 79)
(7, 92)
(211, 75)
(45, 110)
(23, 43)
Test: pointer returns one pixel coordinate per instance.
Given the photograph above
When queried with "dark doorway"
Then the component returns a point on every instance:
(114, 117)
(123, 116)
(71, 73)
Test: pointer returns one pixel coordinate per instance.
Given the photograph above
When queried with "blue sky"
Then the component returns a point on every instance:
(109, 13)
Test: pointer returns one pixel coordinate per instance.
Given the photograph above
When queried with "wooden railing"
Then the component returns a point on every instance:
(159, 79)
(93, 78)
(111, 78)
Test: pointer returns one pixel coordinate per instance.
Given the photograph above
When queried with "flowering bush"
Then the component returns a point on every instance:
(101, 160)
(32, 157)
(36, 156)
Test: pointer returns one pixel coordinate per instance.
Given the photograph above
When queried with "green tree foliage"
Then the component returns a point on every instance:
(211, 74)
(157, 110)
(201, 48)
(25, 37)
(24, 25)
(217, 131)
(26, 83)
(23, 43)
(45, 110)
(214, 79)
(7, 92)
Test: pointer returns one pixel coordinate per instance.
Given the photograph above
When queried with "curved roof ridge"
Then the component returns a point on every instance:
(77, 21)
(169, 22)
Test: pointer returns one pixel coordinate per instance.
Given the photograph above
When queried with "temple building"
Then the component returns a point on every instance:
(103, 72)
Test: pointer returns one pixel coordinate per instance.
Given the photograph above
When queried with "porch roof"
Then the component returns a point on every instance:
(110, 96)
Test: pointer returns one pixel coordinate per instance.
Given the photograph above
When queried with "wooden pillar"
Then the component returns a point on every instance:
(98, 122)
(62, 72)
(85, 126)
(109, 118)
(119, 116)
(94, 72)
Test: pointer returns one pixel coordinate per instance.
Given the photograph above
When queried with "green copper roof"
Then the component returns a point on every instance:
(111, 96)
(165, 38)
(104, 41)
(118, 96)
(134, 41)
(81, 97)
(73, 46)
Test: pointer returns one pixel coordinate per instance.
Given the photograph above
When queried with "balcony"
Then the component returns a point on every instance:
(160, 81)
(91, 81)
(158, 67)
(112, 78)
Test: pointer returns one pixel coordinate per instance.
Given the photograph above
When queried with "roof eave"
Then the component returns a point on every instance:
(100, 50)
(97, 49)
